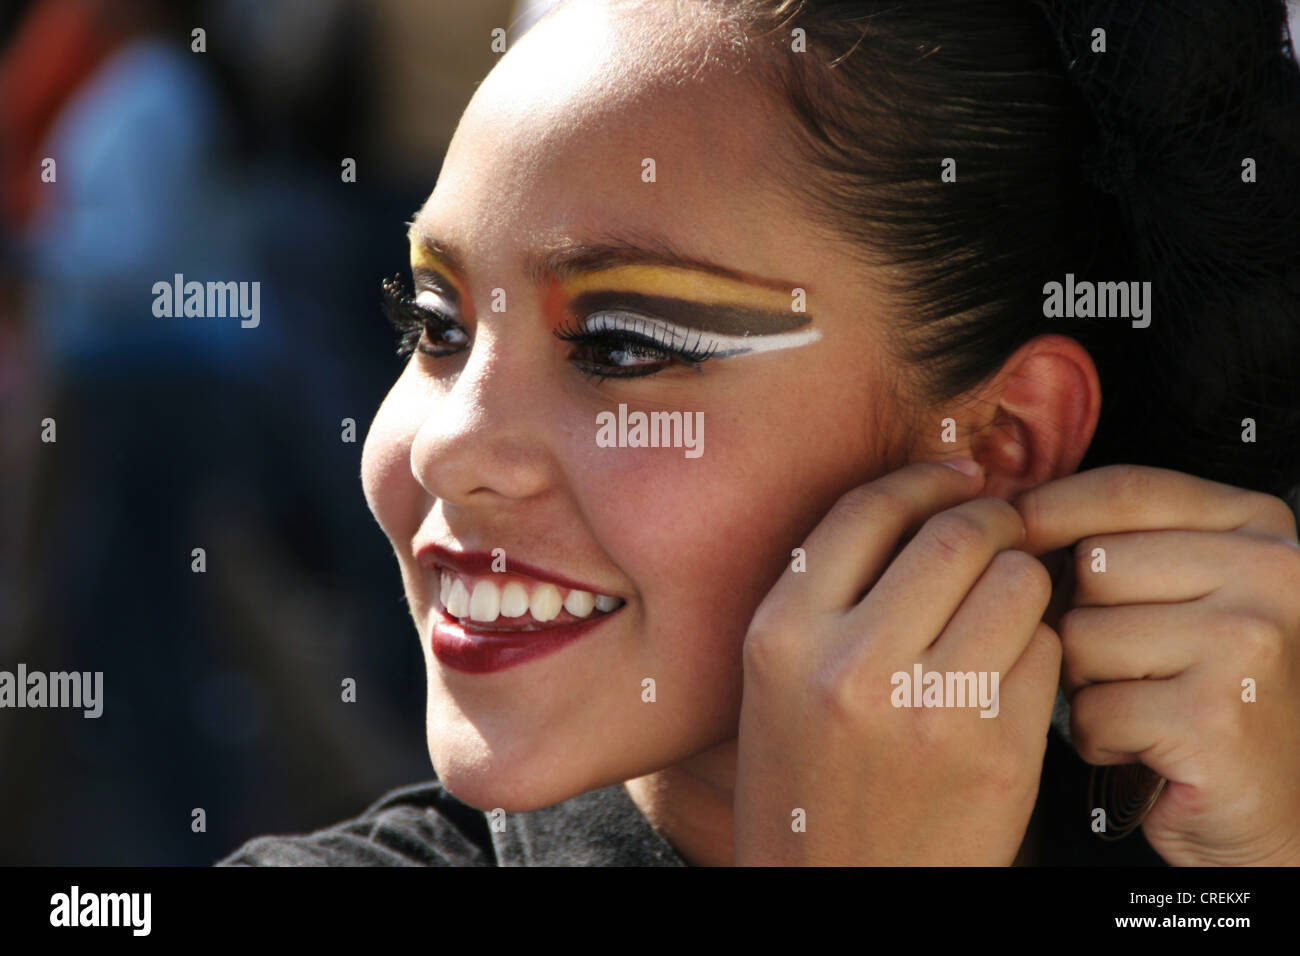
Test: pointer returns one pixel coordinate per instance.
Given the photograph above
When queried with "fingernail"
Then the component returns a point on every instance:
(967, 466)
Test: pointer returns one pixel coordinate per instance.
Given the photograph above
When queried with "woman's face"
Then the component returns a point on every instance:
(497, 442)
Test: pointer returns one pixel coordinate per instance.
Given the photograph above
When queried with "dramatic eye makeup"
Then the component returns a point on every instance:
(724, 330)
(421, 319)
(630, 309)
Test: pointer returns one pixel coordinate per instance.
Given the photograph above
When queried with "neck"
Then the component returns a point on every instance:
(690, 803)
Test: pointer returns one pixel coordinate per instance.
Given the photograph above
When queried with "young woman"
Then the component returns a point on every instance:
(708, 298)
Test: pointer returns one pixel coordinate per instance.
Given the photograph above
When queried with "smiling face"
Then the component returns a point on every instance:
(489, 438)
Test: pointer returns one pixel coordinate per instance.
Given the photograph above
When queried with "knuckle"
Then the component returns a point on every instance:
(839, 696)
(1255, 639)
(757, 654)
(1025, 574)
(932, 735)
(953, 534)
(764, 650)
(768, 619)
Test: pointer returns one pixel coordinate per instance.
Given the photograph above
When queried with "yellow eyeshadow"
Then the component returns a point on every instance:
(679, 283)
(423, 259)
(650, 280)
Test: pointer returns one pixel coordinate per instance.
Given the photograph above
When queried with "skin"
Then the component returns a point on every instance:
(494, 446)
(1200, 593)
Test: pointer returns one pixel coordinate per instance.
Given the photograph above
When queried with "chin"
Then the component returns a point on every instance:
(509, 788)
(520, 778)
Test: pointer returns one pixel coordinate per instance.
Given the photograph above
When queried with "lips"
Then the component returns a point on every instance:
(491, 619)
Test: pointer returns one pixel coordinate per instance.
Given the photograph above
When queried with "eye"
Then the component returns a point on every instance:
(420, 324)
(627, 345)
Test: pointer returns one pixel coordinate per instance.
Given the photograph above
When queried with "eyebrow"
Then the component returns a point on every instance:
(572, 259)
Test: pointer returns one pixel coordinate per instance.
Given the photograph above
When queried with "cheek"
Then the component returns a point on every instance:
(705, 539)
(702, 540)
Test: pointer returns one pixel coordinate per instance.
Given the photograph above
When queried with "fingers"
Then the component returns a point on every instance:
(997, 619)
(1027, 692)
(1152, 567)
(1129, 643)
(923, 587)
(852, 544)
(1138, 498)
(1118, 722)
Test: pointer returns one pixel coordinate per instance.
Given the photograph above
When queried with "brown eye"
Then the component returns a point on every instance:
(628, 358)
(637, 349)
(422, 323)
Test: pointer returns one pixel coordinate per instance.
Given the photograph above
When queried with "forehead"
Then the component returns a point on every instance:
(558, 139)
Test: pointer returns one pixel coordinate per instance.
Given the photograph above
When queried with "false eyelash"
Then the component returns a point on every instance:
(410, 320)
(647, 336)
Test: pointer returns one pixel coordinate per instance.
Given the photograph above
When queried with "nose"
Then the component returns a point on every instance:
(484, 439)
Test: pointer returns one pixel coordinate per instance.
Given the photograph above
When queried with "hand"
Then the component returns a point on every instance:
(1201, 592)
(880, 784)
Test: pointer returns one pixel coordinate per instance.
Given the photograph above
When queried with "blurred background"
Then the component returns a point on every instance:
(223, 689)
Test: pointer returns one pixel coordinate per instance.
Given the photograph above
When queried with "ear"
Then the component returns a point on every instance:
(1035, 419)
(1045, 401)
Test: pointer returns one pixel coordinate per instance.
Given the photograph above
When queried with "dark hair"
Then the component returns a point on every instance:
(1125, 165)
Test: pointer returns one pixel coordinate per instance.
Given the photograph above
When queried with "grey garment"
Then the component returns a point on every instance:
(424, 825)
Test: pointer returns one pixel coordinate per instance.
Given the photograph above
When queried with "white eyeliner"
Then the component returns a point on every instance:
(718, 346)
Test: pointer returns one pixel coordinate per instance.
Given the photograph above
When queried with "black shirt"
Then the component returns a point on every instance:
(424, 825)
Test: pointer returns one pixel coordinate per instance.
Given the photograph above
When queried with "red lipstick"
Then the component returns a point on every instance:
(474, 648)
(461, 648)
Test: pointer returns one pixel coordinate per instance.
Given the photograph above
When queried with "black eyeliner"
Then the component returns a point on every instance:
(413, 321)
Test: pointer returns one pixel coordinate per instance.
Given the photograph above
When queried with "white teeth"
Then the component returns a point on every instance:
(545, 604)
(488, 601)
(579, 603)
(514, 600)
(458, 599)
(485, 602)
